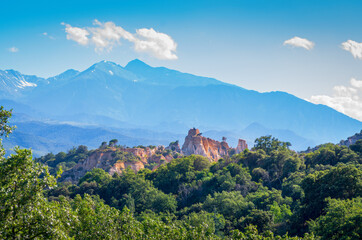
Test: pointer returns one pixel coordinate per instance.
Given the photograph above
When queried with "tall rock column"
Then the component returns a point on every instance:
(242, 145)
(197, 144)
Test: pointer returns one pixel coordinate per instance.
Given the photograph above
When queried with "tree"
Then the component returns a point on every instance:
(357, 146)
(99, 221)
(268, 144)
(25, 213)
(103, 145)
(212, 221)
(5, 128)
(82, 149)
(201, 163)
(98, 175)
(343, 220)
(113, 142)
(262, 219)
(232, 205)
(343, 182)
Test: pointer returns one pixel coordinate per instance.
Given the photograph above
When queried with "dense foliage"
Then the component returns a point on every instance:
(269, 192)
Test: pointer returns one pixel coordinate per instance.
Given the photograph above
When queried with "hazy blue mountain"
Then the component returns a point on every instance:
(256, 130)
(167, 77)
(14, 84)
(62, 78)
(44, 137)
(219, 107)
(160, 99)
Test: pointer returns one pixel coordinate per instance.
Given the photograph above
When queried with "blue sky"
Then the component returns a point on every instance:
(239, 42)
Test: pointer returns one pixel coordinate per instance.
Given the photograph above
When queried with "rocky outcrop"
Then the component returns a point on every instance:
(352, 140)
(242, 145)
(98, 159)
(142, 153)
(118, 167)
(195, 143)
(174, 146)
(115, 160)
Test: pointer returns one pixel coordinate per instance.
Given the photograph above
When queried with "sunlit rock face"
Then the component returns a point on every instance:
(108, 160)
(115, 159)
(242, 145)
(199, 145)
(195, 143)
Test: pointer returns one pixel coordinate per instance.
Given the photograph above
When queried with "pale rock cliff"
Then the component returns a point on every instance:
(116, 159)
(108, 160)
(242, 145)
(195, 143)
(174, 146)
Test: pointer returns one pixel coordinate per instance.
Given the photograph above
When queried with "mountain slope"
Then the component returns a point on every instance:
(45, 137)
(13, 83)
(256, 130)
(162, 100)
(167, 77)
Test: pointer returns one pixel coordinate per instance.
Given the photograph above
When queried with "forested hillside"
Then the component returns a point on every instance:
(268, 192)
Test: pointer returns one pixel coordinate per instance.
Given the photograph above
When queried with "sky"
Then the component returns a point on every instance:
(311, 49)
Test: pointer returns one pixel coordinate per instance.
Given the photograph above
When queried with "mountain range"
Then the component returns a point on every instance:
(140, 98)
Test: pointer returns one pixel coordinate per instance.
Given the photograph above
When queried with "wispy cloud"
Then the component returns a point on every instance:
(345, 99)
(48, 36)
(299, 42)
(13, 49)
(354, 48)
(105, 36)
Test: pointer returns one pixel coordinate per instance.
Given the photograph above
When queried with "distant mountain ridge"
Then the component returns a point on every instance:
(160, 99)
(12, 83)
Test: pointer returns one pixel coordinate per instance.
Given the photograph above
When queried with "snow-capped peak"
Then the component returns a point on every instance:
(23, 84)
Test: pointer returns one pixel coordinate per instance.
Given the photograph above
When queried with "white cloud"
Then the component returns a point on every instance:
(13, 49)
(79, 35)
(356, 83)
(345, 99)
(299, 42)
(107, 35)
(104, 36)
(354, 48)
(158, 44)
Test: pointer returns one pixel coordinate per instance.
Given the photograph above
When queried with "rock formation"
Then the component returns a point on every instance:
(114, 159)
(242, 145)
(351, 140)
(212, 149)
(174, 146)
(108, 160)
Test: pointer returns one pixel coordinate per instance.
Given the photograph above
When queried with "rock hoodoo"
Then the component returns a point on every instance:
(242, 145)
(212, 149)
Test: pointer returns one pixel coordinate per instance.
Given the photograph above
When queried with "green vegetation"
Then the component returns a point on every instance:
(64, 160)
(270, 192)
